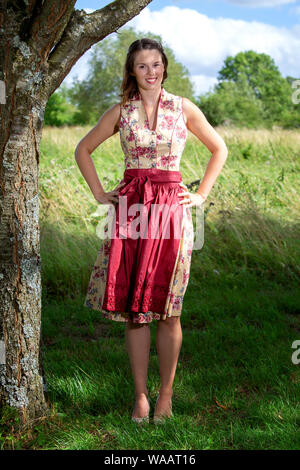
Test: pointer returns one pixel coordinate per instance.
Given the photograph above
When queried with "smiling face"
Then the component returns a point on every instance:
(148, 69)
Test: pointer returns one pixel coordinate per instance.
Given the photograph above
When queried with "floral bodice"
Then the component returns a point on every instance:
(145, 148)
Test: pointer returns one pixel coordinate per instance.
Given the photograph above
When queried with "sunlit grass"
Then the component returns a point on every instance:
(235, 386)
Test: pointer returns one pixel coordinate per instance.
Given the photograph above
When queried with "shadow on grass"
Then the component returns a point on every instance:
(236, 386)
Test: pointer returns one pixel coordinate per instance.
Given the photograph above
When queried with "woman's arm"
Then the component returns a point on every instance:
(200, 127)
(107, 126)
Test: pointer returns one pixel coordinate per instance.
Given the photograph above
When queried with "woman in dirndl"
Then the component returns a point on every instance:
(141, 272)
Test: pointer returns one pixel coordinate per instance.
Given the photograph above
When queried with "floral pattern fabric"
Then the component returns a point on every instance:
(145, 148)
(161, 148)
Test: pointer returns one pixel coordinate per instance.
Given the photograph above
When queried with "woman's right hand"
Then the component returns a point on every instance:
(109, 197)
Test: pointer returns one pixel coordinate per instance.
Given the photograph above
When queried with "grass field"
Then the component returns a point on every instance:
(236, 386)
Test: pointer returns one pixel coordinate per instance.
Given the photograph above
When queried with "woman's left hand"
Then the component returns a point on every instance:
(190, 199)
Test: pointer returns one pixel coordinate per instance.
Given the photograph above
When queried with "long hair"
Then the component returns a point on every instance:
(129, 85)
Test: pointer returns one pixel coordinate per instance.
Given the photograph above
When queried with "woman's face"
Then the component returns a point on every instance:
(148, 69)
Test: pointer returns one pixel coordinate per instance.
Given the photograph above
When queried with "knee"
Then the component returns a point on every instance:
(133, 325)
(171, 321)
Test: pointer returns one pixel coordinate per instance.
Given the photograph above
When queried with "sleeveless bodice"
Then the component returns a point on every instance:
(160, 148)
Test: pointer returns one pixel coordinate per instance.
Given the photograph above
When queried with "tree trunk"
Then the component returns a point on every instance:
(21, 384)
(21, 381)
(40, 42)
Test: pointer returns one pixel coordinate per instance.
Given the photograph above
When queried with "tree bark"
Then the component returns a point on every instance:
(40, 43)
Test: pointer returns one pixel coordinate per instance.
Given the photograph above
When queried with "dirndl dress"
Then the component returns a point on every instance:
(142, 269)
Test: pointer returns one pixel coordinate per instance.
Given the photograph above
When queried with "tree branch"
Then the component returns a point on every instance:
(83, 30)
(20, 6)
(48, 25)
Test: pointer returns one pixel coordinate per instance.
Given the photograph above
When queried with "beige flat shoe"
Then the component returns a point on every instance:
(144, 419)
(161, 419)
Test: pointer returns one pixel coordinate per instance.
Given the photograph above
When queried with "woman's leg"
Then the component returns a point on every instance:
(138, 341)
(168, 345)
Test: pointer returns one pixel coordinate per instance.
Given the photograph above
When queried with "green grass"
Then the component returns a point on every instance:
(235, 386)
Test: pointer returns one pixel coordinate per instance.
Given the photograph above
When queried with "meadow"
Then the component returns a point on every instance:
(236, 386)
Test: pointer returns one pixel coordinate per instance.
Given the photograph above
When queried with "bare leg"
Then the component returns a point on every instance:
(138, 340)
(168, 345)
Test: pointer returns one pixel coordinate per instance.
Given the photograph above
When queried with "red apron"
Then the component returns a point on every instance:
(144, 245)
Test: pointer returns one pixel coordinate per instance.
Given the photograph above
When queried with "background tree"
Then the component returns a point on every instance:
(250, 91)
(263, 78)
(232, 104)
(42, 41)
(59, 111)
(291, 115)
(101, 88)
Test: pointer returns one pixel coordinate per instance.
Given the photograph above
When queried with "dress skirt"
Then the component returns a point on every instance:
(142, 269)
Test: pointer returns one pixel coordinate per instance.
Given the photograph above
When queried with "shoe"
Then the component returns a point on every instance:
(160, 419)
(144, 419)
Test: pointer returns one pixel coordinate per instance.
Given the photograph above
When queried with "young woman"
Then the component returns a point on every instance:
(140, 279)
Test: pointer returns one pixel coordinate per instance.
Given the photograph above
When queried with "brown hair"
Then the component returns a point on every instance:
(129, 85)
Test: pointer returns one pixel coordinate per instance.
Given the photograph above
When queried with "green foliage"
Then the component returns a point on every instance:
(233, 104)
(59, 111)
(251, 92)
(101, 89)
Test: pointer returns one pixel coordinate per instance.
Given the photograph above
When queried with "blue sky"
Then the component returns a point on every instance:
(213, 29)
(282, 14)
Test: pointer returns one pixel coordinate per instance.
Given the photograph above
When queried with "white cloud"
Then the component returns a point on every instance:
(89, 10)
(203, 83)
(202, 43)
(261, 3)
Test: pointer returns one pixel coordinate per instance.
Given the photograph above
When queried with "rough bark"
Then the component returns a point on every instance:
(40, 42)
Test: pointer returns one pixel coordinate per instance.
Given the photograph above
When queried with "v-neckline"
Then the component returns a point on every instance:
(157, 112)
